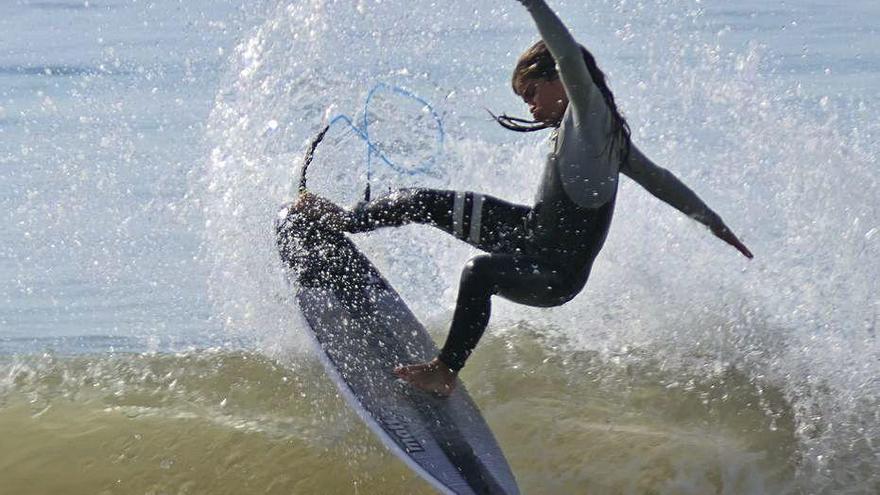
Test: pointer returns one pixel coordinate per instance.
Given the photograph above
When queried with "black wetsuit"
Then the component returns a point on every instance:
(527, 262)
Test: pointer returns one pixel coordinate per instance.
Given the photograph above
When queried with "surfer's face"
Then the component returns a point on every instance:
(546, 99)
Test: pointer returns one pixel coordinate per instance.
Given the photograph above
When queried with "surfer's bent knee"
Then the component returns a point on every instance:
(473, 266)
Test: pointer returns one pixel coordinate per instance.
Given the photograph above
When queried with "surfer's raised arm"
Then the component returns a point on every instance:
(664, 185)
(596, 127)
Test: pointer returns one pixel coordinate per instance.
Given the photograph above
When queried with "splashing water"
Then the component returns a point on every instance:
(793, 171)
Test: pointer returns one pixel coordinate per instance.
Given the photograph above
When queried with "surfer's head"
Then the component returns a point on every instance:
(536, 80)
(546, 99)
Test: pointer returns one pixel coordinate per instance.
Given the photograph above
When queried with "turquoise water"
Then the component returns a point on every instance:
(144, 147)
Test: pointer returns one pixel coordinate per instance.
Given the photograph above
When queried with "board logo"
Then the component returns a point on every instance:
(401, 432)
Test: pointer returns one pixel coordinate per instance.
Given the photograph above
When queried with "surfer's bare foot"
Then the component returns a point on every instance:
(434, 377)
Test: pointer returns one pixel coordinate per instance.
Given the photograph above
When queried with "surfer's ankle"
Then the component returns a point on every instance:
(442, 367)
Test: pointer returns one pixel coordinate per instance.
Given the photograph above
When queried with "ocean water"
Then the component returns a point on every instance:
(149, 343)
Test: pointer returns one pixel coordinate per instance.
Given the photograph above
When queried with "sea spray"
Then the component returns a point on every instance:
(790, 170)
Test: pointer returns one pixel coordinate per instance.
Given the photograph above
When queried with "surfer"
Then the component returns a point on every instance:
(539, 255)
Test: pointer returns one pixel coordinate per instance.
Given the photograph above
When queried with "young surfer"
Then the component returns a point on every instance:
(539, 255)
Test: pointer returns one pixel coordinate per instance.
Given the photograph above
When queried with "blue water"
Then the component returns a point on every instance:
(102, 114)
(144, 145)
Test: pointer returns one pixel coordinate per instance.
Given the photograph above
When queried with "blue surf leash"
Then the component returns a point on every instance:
(425, 167)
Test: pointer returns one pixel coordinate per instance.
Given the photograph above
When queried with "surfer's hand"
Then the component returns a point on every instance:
(722, 232)
(321, 210)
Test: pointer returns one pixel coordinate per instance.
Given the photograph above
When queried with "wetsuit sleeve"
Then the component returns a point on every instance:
(591, 116)
(668, 188)
(583, 95)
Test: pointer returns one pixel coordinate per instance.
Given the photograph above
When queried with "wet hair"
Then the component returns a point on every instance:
(537, 63)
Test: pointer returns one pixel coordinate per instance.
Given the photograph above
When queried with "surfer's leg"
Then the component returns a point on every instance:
(426, 206)
(494, 225)
(534, 281)
(485, 222)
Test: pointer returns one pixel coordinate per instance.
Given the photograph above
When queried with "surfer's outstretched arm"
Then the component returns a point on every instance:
(672, 191)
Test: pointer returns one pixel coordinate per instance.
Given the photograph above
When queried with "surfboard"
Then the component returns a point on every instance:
(362, 329)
